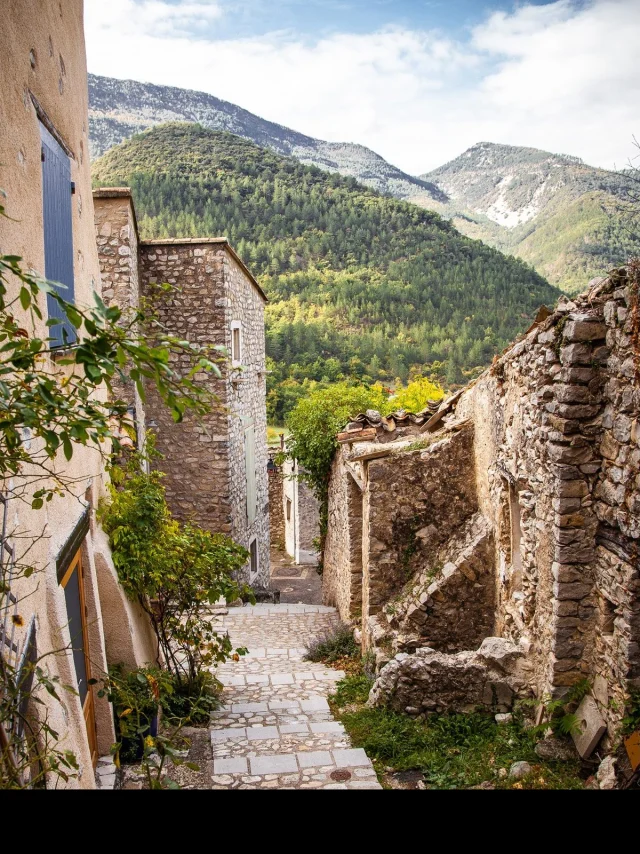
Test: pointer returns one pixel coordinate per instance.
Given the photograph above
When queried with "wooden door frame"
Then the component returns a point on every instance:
(88, 707)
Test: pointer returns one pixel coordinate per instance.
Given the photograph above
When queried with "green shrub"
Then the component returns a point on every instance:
(315, 421)
(193, 701)
(334, 645)
(175, 571)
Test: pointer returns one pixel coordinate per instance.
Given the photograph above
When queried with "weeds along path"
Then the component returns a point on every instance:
(275, 730)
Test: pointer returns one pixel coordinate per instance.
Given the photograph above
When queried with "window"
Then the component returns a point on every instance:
(288, 509)
(253, 558)
(250, 468)
(516, 538)
(72, 583)
(607, 616)
(236, 343)
(58, 233)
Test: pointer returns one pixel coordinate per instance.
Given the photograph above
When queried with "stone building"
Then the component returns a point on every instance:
(73, 599)
(301, 513)
(199, 289)
(511, 513)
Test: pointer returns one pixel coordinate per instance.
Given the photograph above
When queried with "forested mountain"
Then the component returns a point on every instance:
(360, 284)
(554, 211)
(568, 220)
(120, 108)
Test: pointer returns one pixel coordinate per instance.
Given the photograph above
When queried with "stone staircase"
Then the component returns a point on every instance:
(275, 730)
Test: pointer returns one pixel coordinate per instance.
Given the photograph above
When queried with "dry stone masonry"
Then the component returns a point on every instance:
(513, 512)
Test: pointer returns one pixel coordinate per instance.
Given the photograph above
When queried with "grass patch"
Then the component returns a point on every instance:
(454, 751)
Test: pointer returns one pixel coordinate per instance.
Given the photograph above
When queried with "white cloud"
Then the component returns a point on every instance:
(156, 18)
(562, 76)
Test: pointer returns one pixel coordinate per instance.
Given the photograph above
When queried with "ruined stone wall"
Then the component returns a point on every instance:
(342, 563)
(616, 650)
(556, 465)
(414, 502)
(449, 605)
(246, 400)
(537, 468)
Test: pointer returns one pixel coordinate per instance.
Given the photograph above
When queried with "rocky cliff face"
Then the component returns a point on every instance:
(118, 109)
(512, 185)
(569, 220)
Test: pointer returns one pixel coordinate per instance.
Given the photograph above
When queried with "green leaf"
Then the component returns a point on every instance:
(74, 316)
(25, 298)
(67, 446)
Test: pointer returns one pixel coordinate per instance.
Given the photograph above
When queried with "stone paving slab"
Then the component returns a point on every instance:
(265, 610)
(293, 677)
(275, 729)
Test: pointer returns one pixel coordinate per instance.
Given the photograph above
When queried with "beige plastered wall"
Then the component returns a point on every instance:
(43, 60)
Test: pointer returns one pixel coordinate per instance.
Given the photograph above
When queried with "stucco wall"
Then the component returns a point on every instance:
(43, 61)
(302, 520)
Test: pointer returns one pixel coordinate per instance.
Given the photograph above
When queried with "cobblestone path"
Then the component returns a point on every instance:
(275, 730)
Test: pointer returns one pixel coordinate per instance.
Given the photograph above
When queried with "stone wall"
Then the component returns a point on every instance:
(616, 652)
(276, 508)
(449, 605)
(414, 502)
(551, 473)
(197, 289)
(118, 248)
(342, 560)
(246, 399)
(195, 456)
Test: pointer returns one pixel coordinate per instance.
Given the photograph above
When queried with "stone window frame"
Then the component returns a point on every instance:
(254, 558)
(236, 357)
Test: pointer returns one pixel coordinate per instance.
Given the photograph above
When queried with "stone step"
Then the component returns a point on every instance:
(303, 678)
(269, 610)
(313, 708)
(341, 768)
(278, 738)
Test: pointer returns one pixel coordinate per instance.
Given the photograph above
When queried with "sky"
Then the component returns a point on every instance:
(418, 81)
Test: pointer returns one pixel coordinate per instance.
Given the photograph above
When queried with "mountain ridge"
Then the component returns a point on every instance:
(115, 114)
(555, 211)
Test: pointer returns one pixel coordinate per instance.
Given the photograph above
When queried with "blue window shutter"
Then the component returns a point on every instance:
(58, 233)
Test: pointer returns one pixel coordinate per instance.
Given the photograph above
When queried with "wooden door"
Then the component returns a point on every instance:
(73, 585)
